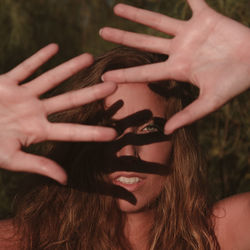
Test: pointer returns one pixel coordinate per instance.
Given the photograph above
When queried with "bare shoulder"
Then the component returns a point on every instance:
(8, 239)
(232, 222)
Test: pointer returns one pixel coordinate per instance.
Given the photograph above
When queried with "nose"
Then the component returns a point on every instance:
(128, 150)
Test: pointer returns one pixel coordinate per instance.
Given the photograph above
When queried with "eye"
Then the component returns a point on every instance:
(152, 128)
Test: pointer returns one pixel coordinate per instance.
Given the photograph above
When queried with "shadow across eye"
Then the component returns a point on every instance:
(155, 126)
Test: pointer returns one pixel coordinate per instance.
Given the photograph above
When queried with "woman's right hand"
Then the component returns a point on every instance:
(23, 116)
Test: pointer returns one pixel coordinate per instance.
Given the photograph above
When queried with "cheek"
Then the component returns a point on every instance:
(151, 190)
(156, 185)
(157, 152)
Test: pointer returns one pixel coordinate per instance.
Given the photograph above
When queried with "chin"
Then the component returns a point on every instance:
(140, 206)
(127, 207)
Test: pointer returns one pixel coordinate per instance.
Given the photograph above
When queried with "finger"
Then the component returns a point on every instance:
(26, 68)
(55, 76)
(196, 5)
(76, 132)
(145, 73)
(140, 41)
(79, 97)
(193, 112)
(154, 20)
(25, 162)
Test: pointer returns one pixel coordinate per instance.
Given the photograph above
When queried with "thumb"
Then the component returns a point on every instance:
(193, 112)
(25, 162)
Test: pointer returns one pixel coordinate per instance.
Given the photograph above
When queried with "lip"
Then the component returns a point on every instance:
(130, 187)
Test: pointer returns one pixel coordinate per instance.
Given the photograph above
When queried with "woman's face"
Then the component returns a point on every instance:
(145, 187)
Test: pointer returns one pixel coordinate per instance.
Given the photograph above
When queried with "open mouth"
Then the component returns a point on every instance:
(129, 181)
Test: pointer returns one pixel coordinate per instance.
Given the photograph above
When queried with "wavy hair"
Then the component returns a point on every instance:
(80, 216)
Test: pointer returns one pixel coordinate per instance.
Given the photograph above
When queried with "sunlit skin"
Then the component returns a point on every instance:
(138, 97)
(204, 51)
(24, 114)
(209, 50)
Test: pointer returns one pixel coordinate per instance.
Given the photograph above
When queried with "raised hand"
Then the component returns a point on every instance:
(23, 116)
(210, 51)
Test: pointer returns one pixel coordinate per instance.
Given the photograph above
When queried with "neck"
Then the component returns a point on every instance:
(137, 227)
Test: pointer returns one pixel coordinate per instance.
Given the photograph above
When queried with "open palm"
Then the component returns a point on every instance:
(210, 51)
(24, 116)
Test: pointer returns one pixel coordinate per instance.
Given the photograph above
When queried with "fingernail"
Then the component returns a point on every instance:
(100, 31)
(64, 183)
(168, 131)
(63, 180)
(119, 8)
(102, 78)
(115, 135)
(110, 134)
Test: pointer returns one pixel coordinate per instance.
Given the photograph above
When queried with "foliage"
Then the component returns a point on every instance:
(27, 26)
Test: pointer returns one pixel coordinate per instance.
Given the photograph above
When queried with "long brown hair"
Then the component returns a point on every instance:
(79, 216)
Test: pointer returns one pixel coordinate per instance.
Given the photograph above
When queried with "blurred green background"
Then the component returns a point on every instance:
(28, 25)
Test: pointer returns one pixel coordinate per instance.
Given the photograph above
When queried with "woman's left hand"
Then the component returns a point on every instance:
(210, 51)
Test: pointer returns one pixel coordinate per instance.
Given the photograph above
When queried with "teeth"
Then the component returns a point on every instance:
(130, 180)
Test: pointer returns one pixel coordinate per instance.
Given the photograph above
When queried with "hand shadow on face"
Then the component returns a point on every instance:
(101, 157)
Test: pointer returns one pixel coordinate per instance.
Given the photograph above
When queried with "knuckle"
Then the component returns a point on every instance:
(123, 37)
(88, 58)
(72, 99)
(72, 67)
(188, 114)
(95, 134)
(42, 162)
(125, 75)
(6, 159)
(136, 15)
(27, 67)
(94, 92)
(71, 133)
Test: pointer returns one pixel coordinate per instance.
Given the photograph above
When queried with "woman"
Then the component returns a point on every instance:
(145, 190)
(210, 51)
(93, 213)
